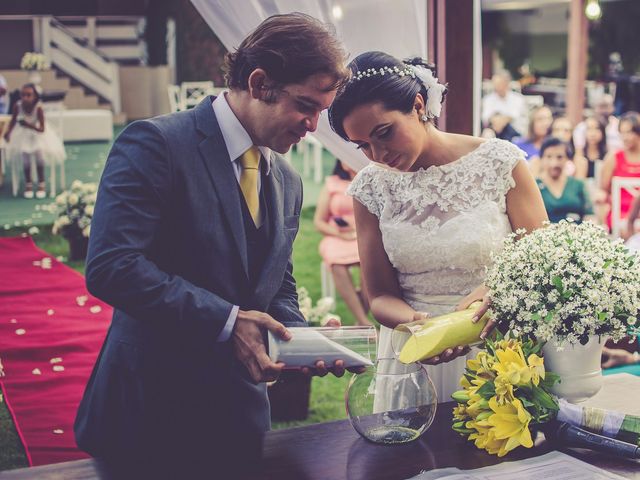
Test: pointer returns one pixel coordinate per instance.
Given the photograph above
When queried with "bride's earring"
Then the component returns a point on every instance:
(424, 118)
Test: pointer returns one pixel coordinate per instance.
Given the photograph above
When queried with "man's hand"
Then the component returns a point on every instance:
(338, 368)
(249, 345)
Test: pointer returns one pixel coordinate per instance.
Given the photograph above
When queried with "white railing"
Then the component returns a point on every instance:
(79, 60)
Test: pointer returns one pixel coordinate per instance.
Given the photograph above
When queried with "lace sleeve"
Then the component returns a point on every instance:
(508, 156)
(362, 189)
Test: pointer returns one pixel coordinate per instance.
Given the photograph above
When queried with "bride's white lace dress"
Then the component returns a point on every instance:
(439, 226)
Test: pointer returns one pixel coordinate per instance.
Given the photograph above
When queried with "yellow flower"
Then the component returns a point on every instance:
(510, 423)
(476, 405)
(460, 412)
(513, 366)
(536, 366)
(482, 365)
(504, 389)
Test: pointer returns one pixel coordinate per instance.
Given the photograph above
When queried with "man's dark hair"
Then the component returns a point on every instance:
(289, 48)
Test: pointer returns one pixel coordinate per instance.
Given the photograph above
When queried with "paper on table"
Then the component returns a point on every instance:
(307, 346)
(552, 466)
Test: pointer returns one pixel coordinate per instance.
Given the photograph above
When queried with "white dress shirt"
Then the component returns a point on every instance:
(237, 141)
(511, 105)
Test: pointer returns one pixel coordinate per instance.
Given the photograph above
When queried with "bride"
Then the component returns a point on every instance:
(430, 208)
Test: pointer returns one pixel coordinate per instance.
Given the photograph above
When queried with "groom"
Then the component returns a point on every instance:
(191, 243)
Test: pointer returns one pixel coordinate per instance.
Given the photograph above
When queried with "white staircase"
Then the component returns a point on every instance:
(79, 60)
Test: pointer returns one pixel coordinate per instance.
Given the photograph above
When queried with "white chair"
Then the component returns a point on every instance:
(174, 98)
(327, 284)
(312, 152)
(4, 123)
(192, 93)
(618, 184)
(53, 114)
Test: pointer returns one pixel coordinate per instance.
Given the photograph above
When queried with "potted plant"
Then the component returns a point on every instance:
(572, 287)
(75, 210)
(34, 62)
(289, 395)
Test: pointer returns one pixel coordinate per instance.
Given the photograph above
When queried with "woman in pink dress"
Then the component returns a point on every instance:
(339, 248)
(623, 163)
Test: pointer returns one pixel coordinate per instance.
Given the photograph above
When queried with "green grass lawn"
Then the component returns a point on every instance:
(327, 394)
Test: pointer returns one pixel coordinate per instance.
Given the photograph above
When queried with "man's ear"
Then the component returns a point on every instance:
(258, 84)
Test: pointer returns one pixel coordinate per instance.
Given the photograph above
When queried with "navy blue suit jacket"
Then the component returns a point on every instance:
(168, 251)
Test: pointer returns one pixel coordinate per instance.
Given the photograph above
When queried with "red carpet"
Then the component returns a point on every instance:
(46, 327)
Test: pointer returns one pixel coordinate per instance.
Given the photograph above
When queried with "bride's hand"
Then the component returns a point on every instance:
(483, 294)
(448, 355)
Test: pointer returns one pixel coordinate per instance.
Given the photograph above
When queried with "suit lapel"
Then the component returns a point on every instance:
(276, 258)
(216, 159)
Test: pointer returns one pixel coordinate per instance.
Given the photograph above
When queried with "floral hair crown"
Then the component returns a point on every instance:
(435, 90)
(370, 72)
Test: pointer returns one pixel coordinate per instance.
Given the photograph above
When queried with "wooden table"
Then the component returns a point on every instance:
(334, 451)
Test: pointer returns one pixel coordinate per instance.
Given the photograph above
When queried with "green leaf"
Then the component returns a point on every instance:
(487, 390)
(544, 399)
(557, 282)
(549, 316)
(536, 317)
(550, 379)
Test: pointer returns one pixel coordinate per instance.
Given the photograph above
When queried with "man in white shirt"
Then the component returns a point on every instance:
(191, 242)
(503, 110)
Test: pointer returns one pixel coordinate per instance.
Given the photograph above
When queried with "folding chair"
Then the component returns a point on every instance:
(192, 93)
(174, 97)
(618, 184)
(54, 120)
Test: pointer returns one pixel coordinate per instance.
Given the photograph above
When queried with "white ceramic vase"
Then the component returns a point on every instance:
(35, 77)
(578, 366)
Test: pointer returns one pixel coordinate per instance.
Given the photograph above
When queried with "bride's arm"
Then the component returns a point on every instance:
(378, 274)
(525, 209)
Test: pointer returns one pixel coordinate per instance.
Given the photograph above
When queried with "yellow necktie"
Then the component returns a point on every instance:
(250, 163)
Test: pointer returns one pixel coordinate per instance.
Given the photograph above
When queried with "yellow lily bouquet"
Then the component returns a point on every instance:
(505, 394)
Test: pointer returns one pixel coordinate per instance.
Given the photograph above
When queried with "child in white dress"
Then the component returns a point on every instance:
(28, 139)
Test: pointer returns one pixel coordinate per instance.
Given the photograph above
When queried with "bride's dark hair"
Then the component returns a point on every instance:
(395, 92)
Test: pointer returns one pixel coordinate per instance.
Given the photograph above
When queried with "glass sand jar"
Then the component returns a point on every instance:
(391, 402)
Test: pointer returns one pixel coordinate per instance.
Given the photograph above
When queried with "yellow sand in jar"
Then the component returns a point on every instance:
(442, 332)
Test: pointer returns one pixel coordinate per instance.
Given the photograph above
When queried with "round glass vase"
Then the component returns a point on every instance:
(391, 402)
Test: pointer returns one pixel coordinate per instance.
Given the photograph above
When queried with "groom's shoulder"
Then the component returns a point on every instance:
(171, 126)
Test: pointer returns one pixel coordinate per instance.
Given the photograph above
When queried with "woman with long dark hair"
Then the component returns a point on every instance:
(431, 207)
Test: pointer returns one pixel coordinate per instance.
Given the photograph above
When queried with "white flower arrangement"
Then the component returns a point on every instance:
(75, 210)
(318, 315)
(34, 61)
(566, 282)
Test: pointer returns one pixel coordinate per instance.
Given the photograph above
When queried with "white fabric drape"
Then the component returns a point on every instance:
(397, 27)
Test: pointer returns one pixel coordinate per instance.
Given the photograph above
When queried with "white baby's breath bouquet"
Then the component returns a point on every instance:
(565, 282)
(75, 210)
(34, 61)
(321, 313)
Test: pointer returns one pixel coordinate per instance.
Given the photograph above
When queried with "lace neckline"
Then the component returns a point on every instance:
(445, 167)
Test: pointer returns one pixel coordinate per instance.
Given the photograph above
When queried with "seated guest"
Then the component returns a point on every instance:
(623, 163)
(564, 197)
(589, 164)
(603, 109)
(589, 160)
(503, 110)
(562, 128)
(619, 360)
(539, 126)
(339, 248)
